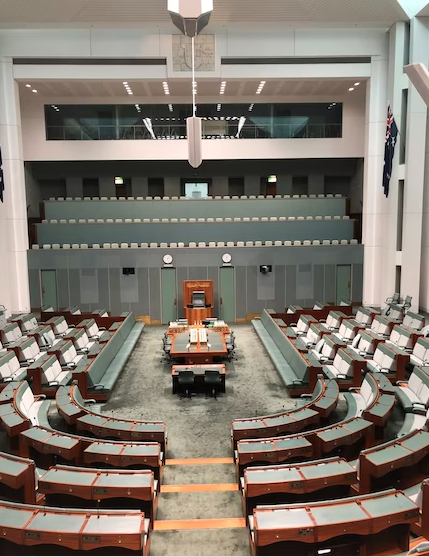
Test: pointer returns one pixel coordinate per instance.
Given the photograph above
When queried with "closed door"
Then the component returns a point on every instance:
(49, 289)
(168, 295)
(227, 294)
(343, 289)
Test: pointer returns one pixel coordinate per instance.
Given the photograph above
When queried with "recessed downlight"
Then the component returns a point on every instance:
(28, 85)
(34, 90)
(357, 83)
(351, 88)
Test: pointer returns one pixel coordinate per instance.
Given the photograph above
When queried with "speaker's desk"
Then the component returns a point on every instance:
(196, 315)
(199, 371)
(198, 353)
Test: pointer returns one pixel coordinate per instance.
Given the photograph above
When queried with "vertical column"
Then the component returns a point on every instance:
(252, 185)
(107, 186)
(14, 284)
(316, 184)
(74, 186)
(414, 171)
(139, 186)
(33, 194)
(397, 41)
(171, 186)
(284, 185)
(219, 185)
(375, 205)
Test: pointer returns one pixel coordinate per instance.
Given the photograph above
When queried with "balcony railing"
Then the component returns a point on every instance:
(178, 131)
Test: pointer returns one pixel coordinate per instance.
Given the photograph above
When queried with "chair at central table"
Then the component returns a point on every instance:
(202, 380)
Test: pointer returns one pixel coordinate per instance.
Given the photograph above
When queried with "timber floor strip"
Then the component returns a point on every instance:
(199, 524)
(198, 487)
(196, 461)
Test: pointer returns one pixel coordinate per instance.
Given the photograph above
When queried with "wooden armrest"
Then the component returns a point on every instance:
(401, 383)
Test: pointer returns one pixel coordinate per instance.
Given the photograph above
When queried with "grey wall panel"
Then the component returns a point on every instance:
(304, 287)
(194, 232)
(108, 264)
(330, 281)
(357, 282)
(74, 287)
(34, 278)
(129, 288)
(197, 273)
(319, 282)
(202, 208)
(63, 288)
(240, 293)
(155, 293)
(182, 273)
(280, 286)
(88, 286)
(115, 285)
(290, 285)
(103, 288)
(213, 274)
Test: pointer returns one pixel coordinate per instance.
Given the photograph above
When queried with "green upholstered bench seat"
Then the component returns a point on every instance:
(284, 369)
(414, 397)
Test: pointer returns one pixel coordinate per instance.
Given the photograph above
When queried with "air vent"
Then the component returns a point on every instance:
(282, 60)
(91, 62)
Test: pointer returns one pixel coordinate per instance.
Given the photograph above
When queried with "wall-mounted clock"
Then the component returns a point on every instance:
(167, 259)
(226, 258)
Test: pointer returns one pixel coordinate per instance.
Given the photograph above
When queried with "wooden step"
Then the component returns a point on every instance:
(199, 524)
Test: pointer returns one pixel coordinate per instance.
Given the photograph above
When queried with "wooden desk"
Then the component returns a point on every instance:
(199, 372)
(15, 474)
(82, 531)
(196, 315)
(406, 456)
(62, 485)
(117, 455)
(382, 522)
(198, 353)
(290, 483)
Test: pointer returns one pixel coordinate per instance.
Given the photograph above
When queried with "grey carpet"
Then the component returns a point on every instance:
(231, 541)
(204, 504)
(198, 427)
(200, 474)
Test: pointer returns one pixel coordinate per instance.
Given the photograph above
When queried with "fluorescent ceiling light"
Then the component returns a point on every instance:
(119, 180)
(170, 107)
(272, 178)
(240, 125)
(251, 107)
(125, 82)
(148, 123)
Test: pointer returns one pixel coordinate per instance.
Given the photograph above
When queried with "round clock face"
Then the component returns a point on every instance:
(227, 258)
(168, 259)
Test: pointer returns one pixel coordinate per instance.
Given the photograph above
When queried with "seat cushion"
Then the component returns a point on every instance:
(406, 398)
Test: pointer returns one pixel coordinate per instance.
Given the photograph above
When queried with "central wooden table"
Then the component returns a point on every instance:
(198, 353)
(199, 372)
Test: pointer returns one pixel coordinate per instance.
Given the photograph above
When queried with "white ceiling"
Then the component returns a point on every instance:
(117, 12)
(182, 88)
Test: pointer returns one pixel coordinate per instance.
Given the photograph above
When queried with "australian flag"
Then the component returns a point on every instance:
(389, 149)
(1, 178)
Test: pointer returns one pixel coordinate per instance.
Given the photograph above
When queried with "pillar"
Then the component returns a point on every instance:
(414, 171)
(74, 186)
(284, 185)
(14, 284)
(316, 184)
(171, 186)
(219, 185)
(107, 186)
(139, 186)
(252, 185)
(375, 205)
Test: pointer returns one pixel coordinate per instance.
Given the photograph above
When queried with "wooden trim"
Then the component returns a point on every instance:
(198, 487)
(199, 524)
(240, 320)
(195, 461)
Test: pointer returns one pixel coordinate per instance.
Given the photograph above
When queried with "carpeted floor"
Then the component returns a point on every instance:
(199, 428)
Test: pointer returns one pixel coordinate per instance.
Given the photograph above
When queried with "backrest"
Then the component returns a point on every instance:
(366, 343)
(61, 326)
(29, 349)
(418, 383)
(346, 365)
(385, 357)
(92, 328)
(380, 325)
(421, 350)
(77, 396)
(395, 335)
(314, 334)
(6, 364)
(304, 323)
(70, 353)
(48, 335)
(28, 323)
(369, 389)
(413, 321)
(24, 398)
(10, 333)
(364, 316)
(319, 346)
(328, 349)
(81, 339)
(337, 361)
(318, 389)
(333, 320)
(347, 330)
(356, 340)
(51, 368)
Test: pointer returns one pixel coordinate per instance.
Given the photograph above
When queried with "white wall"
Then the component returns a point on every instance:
(37, 148)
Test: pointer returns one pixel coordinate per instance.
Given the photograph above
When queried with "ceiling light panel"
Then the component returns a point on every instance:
(222, 88)
(166, 88)
(260, 87)
(170, 107)
(127, 87)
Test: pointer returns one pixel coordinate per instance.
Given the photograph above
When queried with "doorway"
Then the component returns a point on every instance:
(168, 295)
(343, 287)
(49, 289)
(227, 294)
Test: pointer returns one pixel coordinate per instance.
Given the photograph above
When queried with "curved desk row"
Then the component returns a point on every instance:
(71, 407)
(323, 401)
(365, 525)
(27, 525)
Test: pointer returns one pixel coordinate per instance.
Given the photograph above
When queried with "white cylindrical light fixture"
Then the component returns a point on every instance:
(195, 144)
